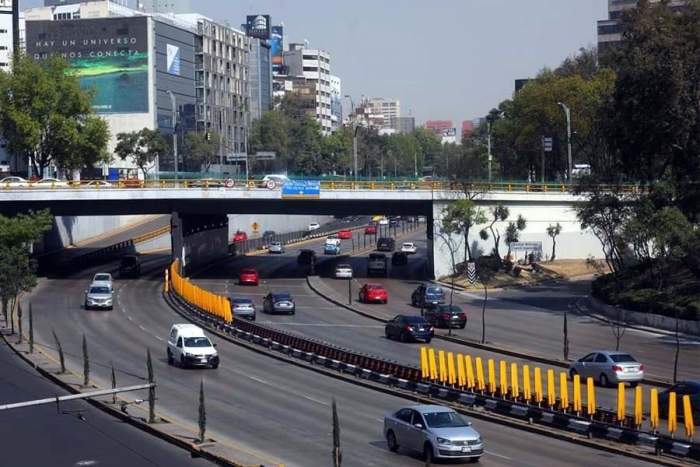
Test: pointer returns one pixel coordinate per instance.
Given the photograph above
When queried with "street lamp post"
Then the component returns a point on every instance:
(175, 157)
(568, 135)
(489, 149)
(354, 137)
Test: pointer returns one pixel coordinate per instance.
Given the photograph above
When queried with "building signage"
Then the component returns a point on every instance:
(265, 155)
(301, 189)
(172, 53)
(109, 55)
(236, 156)
(258, 26)
(449, 132)
(276, 46)
(526, 246)
(547, 144)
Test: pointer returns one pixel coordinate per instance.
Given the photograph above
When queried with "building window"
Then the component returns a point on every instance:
(3, 47)
(3, 31)
(610, 29)
(311, 68)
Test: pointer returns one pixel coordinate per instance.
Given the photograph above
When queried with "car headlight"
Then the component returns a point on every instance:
(444, 442)
(190, 355)
(479, 440)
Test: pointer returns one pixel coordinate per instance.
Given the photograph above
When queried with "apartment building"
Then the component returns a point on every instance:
(388, 108)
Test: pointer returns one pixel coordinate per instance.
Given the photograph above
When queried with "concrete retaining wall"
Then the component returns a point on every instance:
(276, 222)
(69, 230)
(644, 319)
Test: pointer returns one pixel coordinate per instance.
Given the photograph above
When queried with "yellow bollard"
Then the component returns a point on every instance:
(451, 376)
(492, 376)
(538, 385)
(166, 285)
(654, 409)
(551, 390)
(461, 377)
(433, 364)
(514, 387)
(470, 371)
(480, 382)
(590, 396)
(688, 416)
(577, 393)
(424, 368)
(527, 390)
(672, 415)
(564, 390)
(621, 410)
(503, 376)
(638, 407)
(442, 375)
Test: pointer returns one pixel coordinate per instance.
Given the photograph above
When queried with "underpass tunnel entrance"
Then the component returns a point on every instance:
(198, 240)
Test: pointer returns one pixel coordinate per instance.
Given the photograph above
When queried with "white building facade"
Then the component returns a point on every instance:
(336, 104)
(6, 51)
(388, 108)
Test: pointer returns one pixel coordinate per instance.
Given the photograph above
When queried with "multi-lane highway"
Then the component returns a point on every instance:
(258, 405)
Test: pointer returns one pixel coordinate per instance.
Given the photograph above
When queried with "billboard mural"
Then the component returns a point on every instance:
(276, 44)
(109, 55)
(258, 26)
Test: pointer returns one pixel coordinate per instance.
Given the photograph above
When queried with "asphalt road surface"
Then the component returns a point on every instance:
(256, 404)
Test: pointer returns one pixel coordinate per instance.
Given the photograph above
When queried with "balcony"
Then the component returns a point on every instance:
(199, 83)
(199, 67)
(198, 50)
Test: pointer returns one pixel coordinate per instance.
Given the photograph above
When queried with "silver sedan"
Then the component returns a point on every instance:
(436, 431)
(608, 366)
(276, 247)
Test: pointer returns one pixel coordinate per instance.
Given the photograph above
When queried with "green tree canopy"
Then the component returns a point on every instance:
(142, 146)
(200, 152)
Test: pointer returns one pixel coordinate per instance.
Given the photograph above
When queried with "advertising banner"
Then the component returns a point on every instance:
(276, 44)
(173, 59)
(258, 26)
(109, 55)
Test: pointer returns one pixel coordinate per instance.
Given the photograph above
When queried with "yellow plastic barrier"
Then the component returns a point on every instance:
(672, 416)
(538, 385)
(492, 376)
(564, 390)
(654, 409)
(433, 364)
(470, 372)
(424, 368)
(577, 393)
(451, 376)
(503, 376)
(621, 410)
(551, 391)
(514, 387)
(443, 367)
(461, 376)
(215, 305)
(688, 417)
(638, 406)
(480, 383)
(527, 390)
(590, 396)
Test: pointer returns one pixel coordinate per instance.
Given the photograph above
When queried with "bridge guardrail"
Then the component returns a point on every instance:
(214, 311)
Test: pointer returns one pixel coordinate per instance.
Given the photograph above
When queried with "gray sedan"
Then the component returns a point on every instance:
(608, 366)
(436, 431)
(280, 302)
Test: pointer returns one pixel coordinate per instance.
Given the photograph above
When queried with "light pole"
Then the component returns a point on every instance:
(354, 136)
(568, 135)
(489, 149)
(174, 110)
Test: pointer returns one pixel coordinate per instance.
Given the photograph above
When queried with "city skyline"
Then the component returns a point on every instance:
(379, 48)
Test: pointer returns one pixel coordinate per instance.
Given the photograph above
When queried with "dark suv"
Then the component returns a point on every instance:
(306, 257)
(427, 296)
(130, 266)
(386, 244)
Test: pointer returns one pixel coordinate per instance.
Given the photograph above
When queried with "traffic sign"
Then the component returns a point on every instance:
(229, 183)
(236, 156)
(255, 226)
(265, 155)
(547, 144)
(471, 272)
(301, 189)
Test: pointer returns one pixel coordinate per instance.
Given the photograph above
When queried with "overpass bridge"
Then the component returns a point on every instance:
(199, 214)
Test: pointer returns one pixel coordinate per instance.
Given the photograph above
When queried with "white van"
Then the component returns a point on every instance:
(188, 345)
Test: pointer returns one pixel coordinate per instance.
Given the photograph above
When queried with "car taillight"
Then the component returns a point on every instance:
(445, 316)
(409, 328)
(432, 328)
(616, 368)
(641, 367)
(462, 315)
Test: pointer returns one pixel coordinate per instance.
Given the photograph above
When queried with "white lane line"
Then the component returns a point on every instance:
(258, 380)
(379, 420)
(498, 455)
(130, 318)
(160, 338)
(315, 400)
(142, 328)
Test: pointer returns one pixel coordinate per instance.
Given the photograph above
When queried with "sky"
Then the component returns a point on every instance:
(444, 59)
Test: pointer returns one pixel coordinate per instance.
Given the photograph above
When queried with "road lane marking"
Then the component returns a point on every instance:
(130, 318)
(498, 455)
(160, 338)
(258, 380)
(315, 400)
(142, 328)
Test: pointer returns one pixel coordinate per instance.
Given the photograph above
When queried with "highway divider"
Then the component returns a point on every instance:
(437, 381)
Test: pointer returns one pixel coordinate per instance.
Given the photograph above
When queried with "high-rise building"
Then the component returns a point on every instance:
(260, 78)
(388, 108)
(404, 124)
(336, 105)
(467, 127)
(7, 33)
(438, 126)
(178, 7)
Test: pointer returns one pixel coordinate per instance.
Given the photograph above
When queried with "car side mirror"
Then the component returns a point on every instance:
(215, 345)
(419, 426)
(469, 423)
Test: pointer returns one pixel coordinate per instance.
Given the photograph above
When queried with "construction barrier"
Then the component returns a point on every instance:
(215, 305)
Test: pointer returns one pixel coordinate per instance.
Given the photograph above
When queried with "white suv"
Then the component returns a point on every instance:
(188, 345)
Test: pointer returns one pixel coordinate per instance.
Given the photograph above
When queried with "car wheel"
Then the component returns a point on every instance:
(428, 453)
(402, 337)
(413, 302)
(385, 302)
(86, 306)
(603, 380)
(170, 357)
(182, 362)
(359, 298)
(292, 312)
(427, 341)
(462, 326)
(387, 334)
(572, 373)
(391, 442)
(215, 366)
(474, 460)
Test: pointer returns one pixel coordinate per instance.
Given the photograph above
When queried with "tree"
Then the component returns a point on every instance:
(553, 231)
(200, 152)
(337, 453)
(619, 325)
(447, 233)
(513, 232)
(498, 214)
(46, 118)
(485, 275)
(86, 363)
(269, 133)
(459, 217)
(143, 146)
(202, 419)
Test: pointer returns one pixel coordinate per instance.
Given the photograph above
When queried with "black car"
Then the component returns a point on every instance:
(393, 222)
(386, 244)
(444, 316)
(306, 257)
(269, 234)
(130, 266)
(399, 259)
(409, 327)
(427, 295)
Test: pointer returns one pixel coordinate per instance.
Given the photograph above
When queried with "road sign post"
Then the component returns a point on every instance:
(471, 272)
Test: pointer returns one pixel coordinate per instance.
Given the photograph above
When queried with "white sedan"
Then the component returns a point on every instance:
(99, 184)
(383, 221)
(14, 182)
(314, 226)
(409, 248)
(50, 183)
(343, 271)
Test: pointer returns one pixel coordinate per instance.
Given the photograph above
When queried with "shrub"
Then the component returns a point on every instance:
(517, 270)
(489, 262)
(508, 265)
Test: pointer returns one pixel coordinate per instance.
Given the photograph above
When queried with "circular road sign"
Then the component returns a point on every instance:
(229, 183)
(271, 184)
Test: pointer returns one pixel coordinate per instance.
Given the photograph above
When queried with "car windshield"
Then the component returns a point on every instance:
(275, 244)
(281, 296)
(622, 358)
(99, 290)
(408, 245)
(375, 287)
(444, 420)
(242, 301)
(434, 291)
(197, 342)
(128, 260)
(343, 266)
(415, 319)
(102, 278)
(248, 271)
(450, 309)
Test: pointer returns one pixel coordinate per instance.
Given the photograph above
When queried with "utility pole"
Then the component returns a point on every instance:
(415, 164)
(489, 149)
(568, 135)
(245, 144)
(542, 160)
(175, 156)
(354, 151)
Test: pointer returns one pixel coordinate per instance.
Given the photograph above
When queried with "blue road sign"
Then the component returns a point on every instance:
(301, 189)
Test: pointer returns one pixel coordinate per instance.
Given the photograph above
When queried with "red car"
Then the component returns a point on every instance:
(345, 234)
(373, 293)
(248, 276)
(240, 236)
(371, 230)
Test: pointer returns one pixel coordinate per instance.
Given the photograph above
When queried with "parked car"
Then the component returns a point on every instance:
(14, 182)
(189, 346)
(682, 388)
(240, 236)
(51, 183)
(98, 296)
(130, 266)
(242, 307)
(373, 293)
(343, 271)
(279, 302)
(399, 259)
(306, 257)
(103, 278)
(409, 248)
(345, 234)
(435, 431)
(608, 366)
(331, 249)
(427, 295)
(371, 230)
(443, 316)
(248, 276)
(277, 247)
(394, 222)
(314, 226)
(409, 327)
(386, 244)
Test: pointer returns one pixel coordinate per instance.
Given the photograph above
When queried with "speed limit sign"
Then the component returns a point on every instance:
(229, 183)
(271, 184)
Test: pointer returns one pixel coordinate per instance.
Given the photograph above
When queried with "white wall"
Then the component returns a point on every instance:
(276, 222)
(572, 243)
